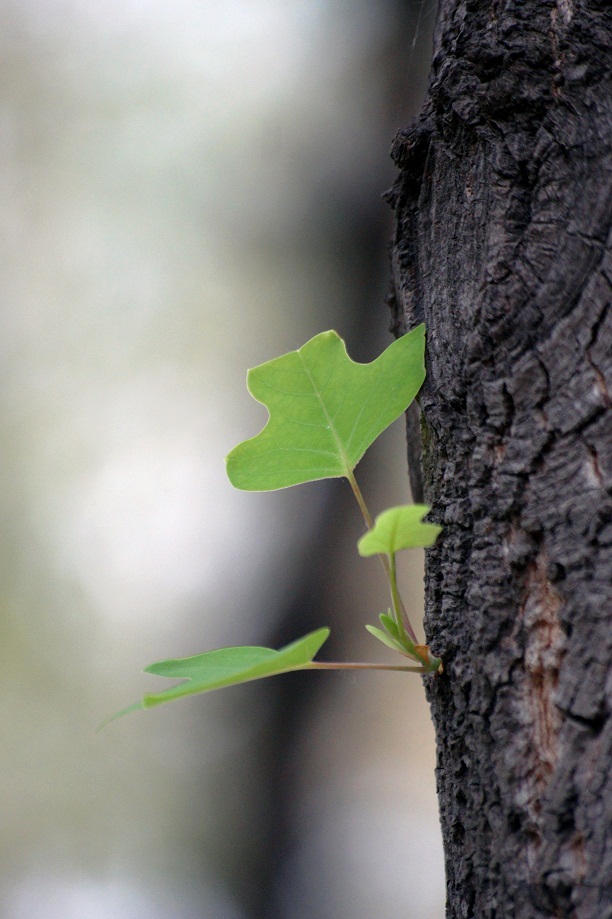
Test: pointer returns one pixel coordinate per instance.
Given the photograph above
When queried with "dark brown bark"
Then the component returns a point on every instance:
(503, 248)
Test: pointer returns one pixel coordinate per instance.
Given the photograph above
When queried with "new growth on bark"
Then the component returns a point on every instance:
(503, 223)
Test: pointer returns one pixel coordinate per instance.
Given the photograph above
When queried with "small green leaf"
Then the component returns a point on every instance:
(389, 625)
(325, 410)
(386, 639)
(399, 528)
(228, 667)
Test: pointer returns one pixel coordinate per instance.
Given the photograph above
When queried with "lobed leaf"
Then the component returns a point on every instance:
(399, 528)
(228, 667)
(325, 410)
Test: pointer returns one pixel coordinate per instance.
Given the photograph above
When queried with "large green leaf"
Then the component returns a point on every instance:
(325, 410)
(228, 667)
(399, 528)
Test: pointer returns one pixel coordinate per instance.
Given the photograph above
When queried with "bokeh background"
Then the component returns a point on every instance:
(188, 189)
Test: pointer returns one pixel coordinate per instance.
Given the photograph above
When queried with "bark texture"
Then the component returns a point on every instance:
(503, 247)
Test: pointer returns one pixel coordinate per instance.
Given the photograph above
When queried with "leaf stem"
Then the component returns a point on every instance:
(360, 500)
(400, 610)
(331, 665)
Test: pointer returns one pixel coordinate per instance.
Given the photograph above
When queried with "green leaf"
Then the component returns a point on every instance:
(392, 637)
(228, 667)
(386, 639)
(399, 528)
(389, 625)
(325, 410)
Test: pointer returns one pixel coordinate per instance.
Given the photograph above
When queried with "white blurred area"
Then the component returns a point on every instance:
(162, 169)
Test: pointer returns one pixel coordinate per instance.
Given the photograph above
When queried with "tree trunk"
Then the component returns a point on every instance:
(503, 248)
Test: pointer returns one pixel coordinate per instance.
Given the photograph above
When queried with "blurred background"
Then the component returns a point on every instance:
(189, 189)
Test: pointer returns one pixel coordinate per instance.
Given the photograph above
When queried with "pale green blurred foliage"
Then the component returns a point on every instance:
(165, 169)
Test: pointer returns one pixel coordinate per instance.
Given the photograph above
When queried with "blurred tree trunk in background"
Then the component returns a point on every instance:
(502, 247)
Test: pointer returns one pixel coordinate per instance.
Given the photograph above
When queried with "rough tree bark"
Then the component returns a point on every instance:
(503, 248)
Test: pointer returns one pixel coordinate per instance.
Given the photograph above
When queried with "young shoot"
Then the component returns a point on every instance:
(325, 410)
